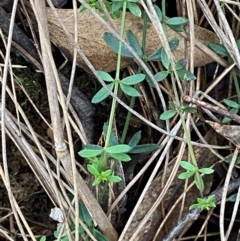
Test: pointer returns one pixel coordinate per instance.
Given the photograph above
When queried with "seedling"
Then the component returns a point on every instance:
(192, 170)
(204, 204)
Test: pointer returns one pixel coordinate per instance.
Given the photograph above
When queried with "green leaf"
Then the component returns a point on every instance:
(177, 21)
(81, 230)
(211, 199)
(128, 90)
(56, 233)
(232, 198)
(116, 6)
(165, 59)
(84, 214)
(99, 236)
(161, 75)
(135, 140)
(121, 148)
(97, 181)
(229, 159)
(156, 55)
(93, 147)
(218, 49)
(201, 201)
(144, 148)
(92, 169)
(176, 28)
(231, 103)
(189, 109)
(86, 153)
(43, 238)
(166, 115)
(185, 175)
(121, 157)
(188, 166)
(199, 181)
(114, 179)
(133, 41)
(102, 94)
(158, 12)
(180, 64)
(206, 170)
(113, 43)
(106, 173)
(184, 74)
(134, 9)
(194, 206)
(232, 111)
(133, 79)
(173, 43)
(105, 76)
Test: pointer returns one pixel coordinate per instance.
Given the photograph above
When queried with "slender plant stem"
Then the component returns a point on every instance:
(116, 86)
(132, 101)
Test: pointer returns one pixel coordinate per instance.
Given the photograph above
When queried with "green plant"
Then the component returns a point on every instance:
(194, 171)
(204, 204)
(125, 85)
(166, 115)
(114, 7)
(96, 154)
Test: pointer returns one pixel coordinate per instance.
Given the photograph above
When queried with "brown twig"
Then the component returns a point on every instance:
(212, 108)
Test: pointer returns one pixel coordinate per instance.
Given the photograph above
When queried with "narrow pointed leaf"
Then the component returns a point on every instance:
(188, 166)
(105, 76)
(86, 153)
(166, 115)
(121, 157)
(135, 139)
(106, 173)
(134, 9)
(144, 148)
(114, 179)
(134, 42)
(122, 148)
(165, 59)
(113, 43)
(102, 94)
(218, 49)
(92, 169)
(231, 103)
(133, 79)
(128, 90)
(177, 21)
(185, 175)
(161, 75)
(206, 170)
(99, 236)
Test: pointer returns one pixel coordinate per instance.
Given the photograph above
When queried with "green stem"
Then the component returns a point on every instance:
(164, 16)
(116, 85)
(186, 132)
(132, 101)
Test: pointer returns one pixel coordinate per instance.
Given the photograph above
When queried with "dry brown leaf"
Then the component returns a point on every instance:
(90, 39)
(205, 158)
(232, 133)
